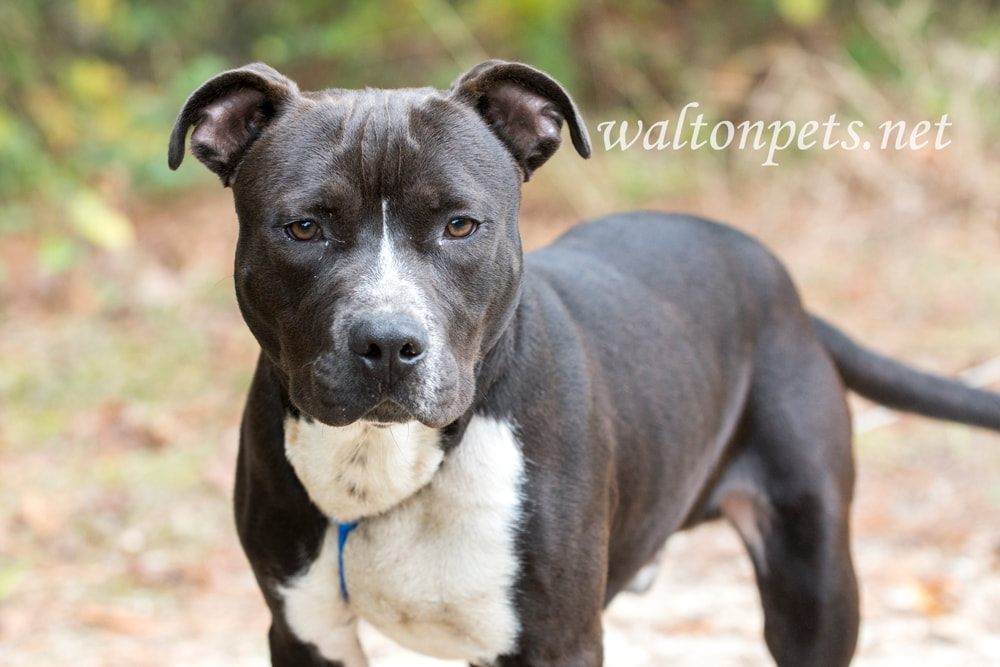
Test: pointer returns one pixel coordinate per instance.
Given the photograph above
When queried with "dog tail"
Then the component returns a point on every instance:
(897, 386)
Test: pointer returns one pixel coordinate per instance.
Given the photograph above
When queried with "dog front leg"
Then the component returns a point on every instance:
(561, 592)
(539, 650)
(287, 650)
(289, 543)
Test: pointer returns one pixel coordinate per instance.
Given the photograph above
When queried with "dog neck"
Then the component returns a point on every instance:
(361, 470)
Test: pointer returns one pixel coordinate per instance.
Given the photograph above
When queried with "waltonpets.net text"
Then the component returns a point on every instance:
(773, 137)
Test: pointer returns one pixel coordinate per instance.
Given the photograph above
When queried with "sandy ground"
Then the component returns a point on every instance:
(927, 558)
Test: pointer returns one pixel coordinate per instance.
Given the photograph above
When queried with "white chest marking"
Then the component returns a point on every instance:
(317, 613)
(361, 469)
(435, 572)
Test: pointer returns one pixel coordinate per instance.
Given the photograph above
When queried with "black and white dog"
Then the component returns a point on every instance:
(474, 450)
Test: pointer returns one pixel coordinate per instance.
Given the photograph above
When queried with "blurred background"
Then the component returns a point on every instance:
(123, 358)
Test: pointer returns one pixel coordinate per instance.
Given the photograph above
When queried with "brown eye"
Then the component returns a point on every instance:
(303, 230)
(460, 227)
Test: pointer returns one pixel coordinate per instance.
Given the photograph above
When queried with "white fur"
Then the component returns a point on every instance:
(388, 286)
(361, 469)
(436, 571)
(316, 612)
(389, 276)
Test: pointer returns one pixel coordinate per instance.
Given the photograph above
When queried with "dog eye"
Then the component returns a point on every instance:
(460, 228)
(303, 230)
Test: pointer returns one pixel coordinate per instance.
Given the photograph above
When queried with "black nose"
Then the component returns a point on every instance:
(388, 346)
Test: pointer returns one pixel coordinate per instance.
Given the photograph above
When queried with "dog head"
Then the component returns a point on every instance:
(379, 258)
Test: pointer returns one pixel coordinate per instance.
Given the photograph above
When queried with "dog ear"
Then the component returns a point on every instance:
(525, 108)
(229, 112)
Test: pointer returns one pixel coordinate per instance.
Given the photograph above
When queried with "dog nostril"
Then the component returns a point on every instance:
(386, 345)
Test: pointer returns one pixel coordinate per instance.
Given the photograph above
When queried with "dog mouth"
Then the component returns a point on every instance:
(337, 397)
(334, 412)
(347, 407)
(387, 413)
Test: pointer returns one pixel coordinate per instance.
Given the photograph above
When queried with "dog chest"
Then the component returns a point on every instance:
(435, 572)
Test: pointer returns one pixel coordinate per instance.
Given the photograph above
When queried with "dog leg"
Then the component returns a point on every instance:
(806, 581)
(645, 578)
(587, 654)
(288, 651)
(562, 589)
(789, 493)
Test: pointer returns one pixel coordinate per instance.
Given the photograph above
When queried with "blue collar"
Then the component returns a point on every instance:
(343, 529)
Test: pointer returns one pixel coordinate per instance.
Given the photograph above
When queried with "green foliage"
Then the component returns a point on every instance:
(90, 88)
(801, 12)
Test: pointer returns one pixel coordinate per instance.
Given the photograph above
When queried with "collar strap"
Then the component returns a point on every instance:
(343, 530)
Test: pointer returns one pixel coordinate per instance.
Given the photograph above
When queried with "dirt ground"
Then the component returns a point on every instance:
(123, 381)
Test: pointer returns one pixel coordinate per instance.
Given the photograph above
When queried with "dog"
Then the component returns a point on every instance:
(475, 450)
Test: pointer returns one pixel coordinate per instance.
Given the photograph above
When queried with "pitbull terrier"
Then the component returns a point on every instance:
(474, 450)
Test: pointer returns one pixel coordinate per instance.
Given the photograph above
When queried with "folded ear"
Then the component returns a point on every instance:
(228, 113)
(525, 108)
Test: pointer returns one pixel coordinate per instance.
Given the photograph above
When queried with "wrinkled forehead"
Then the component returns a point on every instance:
(391, 141)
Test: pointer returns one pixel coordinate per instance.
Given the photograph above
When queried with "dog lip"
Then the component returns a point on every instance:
(387, 413)
(325, 409)
(380, 412)
(332, 405)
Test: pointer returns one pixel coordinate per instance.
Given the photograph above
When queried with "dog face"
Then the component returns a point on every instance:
(377, 289)
(379, 258)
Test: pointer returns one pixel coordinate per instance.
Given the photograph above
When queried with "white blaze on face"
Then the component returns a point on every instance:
(390, 285)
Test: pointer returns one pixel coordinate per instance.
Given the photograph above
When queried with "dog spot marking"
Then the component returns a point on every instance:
(292, 430)
(357, 492)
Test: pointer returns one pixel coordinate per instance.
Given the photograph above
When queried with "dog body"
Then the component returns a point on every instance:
(476, 451)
